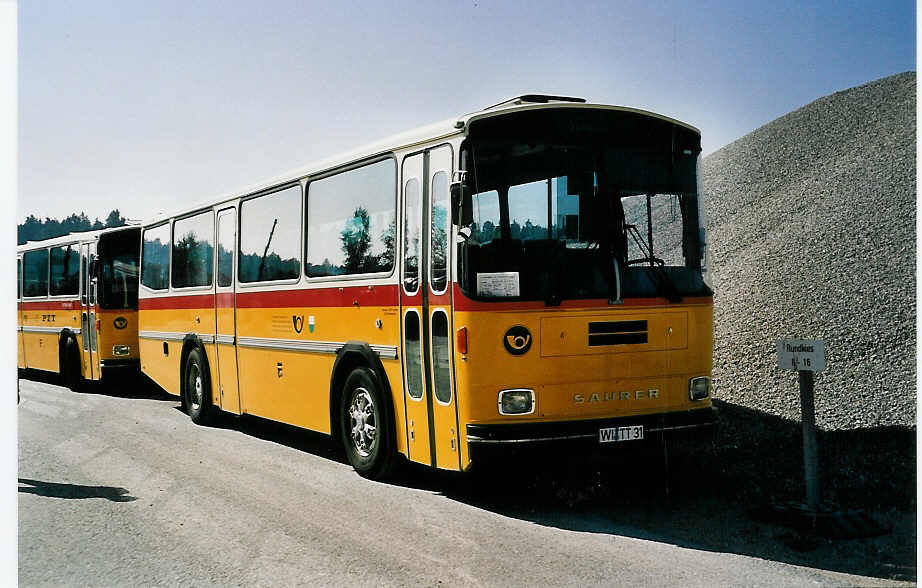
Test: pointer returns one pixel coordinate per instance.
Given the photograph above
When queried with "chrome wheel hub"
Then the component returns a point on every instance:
(195, 382)
(362, 421)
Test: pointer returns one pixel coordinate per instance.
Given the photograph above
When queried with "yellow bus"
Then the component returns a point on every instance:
(531, 274)
(77, 301)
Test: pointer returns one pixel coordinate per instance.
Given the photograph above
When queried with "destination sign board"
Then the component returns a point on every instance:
(802, 355)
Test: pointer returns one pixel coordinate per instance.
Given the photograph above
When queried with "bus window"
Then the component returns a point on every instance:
(65, 271)
(35, 273)
(441, 227)
(351, 222)
(18, 279)
(411, 228)
(155, 258)
(270, 237)
(193, 251)
(226, 245)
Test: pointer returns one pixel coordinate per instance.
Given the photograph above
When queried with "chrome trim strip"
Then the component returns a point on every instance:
(28, 329)
(476, 439)
(385, 351)
(679, 427)
(161, 335)
(333, 347)
(205, 338)
(224, 339)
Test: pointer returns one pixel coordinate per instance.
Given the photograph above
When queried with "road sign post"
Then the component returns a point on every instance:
(806, 357)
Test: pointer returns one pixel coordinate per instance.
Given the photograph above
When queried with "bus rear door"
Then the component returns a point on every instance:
(225, 311)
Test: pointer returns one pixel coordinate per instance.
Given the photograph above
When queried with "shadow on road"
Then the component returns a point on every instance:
(54, 490)
(311, 442)
(116, 385)
(704, 500)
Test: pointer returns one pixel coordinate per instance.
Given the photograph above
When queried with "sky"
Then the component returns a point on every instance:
(148, 106)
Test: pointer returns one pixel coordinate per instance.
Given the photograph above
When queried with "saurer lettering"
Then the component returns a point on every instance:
(610, 396)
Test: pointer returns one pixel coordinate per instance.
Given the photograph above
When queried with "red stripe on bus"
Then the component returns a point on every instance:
(321, 297)
(316, 297)
(51, 305)
(225, 300)
(177, 302)
(464, 303)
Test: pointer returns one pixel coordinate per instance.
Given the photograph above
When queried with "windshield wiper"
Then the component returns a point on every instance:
(656, 264)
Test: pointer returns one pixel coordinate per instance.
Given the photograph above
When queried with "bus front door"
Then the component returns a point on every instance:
(88, 314)
(431, 406)
(225, 311)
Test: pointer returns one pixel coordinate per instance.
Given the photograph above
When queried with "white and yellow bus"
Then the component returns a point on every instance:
(77, 298)
(527, 275)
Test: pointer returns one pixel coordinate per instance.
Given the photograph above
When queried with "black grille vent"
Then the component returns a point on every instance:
(617, 333)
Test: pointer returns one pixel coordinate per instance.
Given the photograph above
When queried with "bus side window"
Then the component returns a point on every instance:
(155, 257)
(35, 273)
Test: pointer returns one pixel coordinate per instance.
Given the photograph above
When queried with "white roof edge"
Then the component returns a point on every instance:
(72, 237)
(424, 134)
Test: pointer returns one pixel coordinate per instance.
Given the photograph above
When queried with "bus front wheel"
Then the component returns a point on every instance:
(365, 425)
(196, 390)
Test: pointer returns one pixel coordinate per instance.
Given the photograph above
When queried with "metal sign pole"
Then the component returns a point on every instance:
(811, 466)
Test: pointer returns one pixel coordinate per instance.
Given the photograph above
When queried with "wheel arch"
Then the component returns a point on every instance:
(352, 355)
(189, 342)
(65, 336)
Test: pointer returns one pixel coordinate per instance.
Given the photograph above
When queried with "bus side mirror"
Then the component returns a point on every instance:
(461, 213)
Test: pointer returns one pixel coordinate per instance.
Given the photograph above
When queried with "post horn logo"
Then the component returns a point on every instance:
(297, 322)
(120, 322)
(517, 340)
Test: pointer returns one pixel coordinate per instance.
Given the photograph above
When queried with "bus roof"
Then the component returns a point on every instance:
(407, 139)
(72, 237)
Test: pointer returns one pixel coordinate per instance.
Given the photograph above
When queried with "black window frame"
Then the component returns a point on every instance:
(47, 271)
(233, 211)
(239, 239)
(211, 237)
(75, 248)
(305, 220)
(169, 255)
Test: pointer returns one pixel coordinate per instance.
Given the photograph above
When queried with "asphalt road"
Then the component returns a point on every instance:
(119, 488)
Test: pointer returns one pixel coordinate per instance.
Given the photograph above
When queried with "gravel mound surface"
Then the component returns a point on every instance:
(812, 235)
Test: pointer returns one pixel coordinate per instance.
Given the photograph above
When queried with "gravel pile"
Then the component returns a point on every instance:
(812, 235)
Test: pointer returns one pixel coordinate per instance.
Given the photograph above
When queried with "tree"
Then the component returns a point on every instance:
(115, 219)
(356, 240)
(389, 240)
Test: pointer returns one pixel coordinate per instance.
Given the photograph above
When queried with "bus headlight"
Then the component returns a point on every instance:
(518, 401)
(699, 388)
(121, 350)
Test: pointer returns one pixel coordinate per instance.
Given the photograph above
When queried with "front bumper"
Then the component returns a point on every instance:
(696, 426)
(122, 363)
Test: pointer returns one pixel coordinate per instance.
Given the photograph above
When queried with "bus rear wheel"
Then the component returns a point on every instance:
(197, 384)
(70, 366)
(365, 426)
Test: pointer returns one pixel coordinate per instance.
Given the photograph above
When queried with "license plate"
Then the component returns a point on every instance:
(612, 434)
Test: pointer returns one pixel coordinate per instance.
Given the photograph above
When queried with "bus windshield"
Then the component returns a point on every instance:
(576, 215)
(117, 256)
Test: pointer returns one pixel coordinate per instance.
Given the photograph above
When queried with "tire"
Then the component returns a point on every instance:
(366, 427)
(196, 388)
(70, 366)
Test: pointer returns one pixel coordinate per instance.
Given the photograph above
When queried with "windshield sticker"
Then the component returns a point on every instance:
(498, 284)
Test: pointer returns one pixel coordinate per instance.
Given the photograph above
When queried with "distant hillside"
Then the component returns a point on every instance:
(812, 235)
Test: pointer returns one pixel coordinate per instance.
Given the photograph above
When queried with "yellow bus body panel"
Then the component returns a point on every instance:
(575, 381)
(41, 349)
